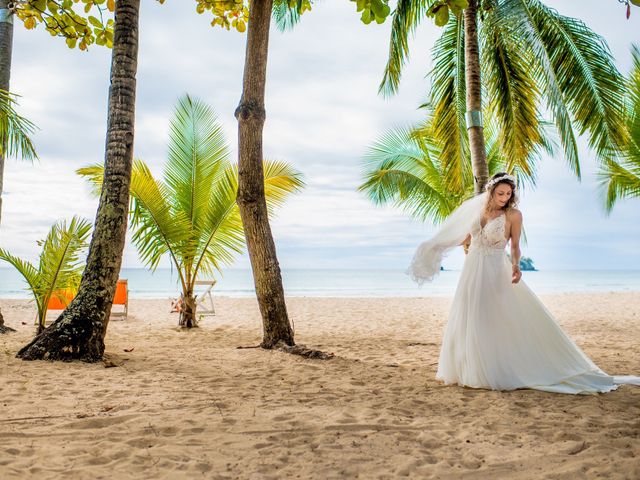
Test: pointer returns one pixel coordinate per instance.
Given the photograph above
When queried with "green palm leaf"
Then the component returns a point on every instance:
(197, 150)
(401, 169)
(588, 77)
(15, 130)
(60, 262)
(59, 267)
(448, 101)
(620, 180)
(280, 180)
(26, 269)
(512, 92)
(620, 177)
(576, 74)
(224, 235)
(284, 16)
(404, 168)
(191, 215)
(406, 17)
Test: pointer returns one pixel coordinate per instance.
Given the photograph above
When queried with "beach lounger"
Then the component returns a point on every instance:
(121, 297)
(61, 299)
(204, 300)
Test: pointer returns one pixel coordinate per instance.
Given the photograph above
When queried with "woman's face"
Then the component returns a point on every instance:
(501, 194)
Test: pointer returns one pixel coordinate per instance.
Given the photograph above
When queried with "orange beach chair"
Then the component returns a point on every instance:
(121, 297)
(60, 300)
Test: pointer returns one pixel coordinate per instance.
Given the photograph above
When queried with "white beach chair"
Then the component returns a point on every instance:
(204, 300)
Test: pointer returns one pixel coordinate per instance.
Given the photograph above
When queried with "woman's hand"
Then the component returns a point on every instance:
(516, 274)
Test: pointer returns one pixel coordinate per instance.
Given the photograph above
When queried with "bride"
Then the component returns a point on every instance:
(499, 335)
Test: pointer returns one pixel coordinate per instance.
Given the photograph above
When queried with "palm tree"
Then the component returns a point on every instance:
(79, 332)
(533, 61)
(251, 195)
(191, 215)
(59, 267)
(620, 178)
(406, 168)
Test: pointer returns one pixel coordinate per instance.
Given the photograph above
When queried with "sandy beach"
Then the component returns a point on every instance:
(190, 404)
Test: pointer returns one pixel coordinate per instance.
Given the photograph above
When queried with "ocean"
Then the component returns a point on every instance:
(351, 283)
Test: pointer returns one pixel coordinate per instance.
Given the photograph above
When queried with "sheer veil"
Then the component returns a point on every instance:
(428, 257)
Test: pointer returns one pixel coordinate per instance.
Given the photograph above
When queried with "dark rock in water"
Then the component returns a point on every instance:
(526, 264)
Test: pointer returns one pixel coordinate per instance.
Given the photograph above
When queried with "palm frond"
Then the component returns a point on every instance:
(583, 72)
(619, 180)
(406, 17)
(94, 175)
(192, 215)
(589, 79)
(197, 151)
(448, 101)
(512, 93)
(620, 177)
(403, 168)
(284, 16)
(25, 268)
(60, 265)
(400, 169)
(280, 181)
(158, 227)
(224, 236)
(521, 19)
(15, 130)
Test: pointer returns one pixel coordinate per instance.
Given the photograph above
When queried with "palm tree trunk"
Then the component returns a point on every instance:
(6, 48)
(251, 198)
(474, 97)
(188, 311)
(80, 330)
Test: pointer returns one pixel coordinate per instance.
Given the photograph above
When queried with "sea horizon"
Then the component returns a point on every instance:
(348, 282)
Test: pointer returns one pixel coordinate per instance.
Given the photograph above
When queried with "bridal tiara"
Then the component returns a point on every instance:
(493, 181)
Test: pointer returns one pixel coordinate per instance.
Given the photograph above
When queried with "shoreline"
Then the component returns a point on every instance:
(354, 283)
(354, 297)
(181, 404)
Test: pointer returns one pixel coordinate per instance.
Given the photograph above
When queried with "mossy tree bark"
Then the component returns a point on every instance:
(474, 96)
(6, 50)
(251, 198)
(80, 330)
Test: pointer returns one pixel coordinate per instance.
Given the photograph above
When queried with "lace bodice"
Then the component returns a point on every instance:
(491, 237)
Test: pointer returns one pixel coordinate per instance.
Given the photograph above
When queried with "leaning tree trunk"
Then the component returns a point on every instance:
(6, 48)
(80, 330)
(251, 199)
(474, 97)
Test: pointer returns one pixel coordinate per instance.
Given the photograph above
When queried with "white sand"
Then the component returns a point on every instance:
(190, 405)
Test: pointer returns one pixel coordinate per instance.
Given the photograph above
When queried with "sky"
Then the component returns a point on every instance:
(323, 111)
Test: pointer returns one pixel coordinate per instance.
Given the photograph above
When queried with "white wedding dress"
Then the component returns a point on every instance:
(500, 336)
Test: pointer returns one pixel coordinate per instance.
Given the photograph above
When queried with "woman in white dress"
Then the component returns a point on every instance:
(499, 335)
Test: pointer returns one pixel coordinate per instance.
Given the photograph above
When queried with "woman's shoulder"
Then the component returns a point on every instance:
(513, 214)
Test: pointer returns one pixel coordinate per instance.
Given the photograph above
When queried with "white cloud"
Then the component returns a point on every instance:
(322, 112)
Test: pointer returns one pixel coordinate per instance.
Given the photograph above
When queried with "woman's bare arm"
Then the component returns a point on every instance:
(515, 218)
